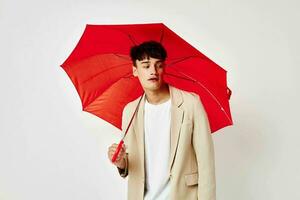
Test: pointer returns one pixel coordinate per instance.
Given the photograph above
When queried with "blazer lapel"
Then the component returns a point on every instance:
(176, 121)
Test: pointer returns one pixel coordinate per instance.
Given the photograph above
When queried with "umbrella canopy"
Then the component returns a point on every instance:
(101, 70)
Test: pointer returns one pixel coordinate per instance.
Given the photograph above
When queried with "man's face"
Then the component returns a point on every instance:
(149, 71)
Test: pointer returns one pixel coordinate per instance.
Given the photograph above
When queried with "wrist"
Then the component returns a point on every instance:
(122, 163)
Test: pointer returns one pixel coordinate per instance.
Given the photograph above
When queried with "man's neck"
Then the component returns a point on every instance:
(159, 96)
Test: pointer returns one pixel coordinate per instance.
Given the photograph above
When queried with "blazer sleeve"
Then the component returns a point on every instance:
(124, 172)
(204, 149)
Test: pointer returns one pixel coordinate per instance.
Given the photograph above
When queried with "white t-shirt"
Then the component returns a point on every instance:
(157, 124)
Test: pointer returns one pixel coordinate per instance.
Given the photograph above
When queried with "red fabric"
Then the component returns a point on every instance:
(101, 70)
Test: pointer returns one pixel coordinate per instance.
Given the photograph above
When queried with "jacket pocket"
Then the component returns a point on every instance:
(191, 179)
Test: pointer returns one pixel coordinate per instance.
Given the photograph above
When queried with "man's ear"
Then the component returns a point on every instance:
(134, 71)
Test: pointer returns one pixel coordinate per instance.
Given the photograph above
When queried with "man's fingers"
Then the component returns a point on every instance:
(111, 154)
(115, 146)
(111, 151)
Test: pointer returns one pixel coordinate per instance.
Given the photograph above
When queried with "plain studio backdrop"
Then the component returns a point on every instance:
(51, 149)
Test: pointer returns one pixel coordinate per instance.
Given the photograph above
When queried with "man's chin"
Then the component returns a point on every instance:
(153, 88)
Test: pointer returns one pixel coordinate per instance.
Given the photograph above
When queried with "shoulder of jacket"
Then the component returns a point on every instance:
(189, 96)
(132, 104)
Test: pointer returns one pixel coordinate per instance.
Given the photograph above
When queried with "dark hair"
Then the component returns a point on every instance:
(148, 49)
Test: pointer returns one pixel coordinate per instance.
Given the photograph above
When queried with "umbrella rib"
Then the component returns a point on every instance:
(131, 39)
(189, 78)
(182, 59)
(121, 56)
(116, 66)
(128, 35)
(162, 35)
(134, 42)
(128, 75)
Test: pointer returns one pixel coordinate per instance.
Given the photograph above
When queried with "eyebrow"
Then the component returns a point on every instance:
(146, 62)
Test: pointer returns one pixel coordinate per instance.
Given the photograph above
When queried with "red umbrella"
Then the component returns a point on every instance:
(101, 70)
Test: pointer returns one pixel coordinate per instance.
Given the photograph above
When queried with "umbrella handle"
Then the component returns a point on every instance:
(117, 151)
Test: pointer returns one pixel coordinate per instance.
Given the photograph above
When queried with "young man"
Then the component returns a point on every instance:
(169, 152)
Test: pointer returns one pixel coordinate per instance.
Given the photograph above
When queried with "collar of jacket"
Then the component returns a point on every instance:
(177, 114)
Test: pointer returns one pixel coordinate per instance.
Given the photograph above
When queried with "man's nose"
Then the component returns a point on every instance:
(153, 69)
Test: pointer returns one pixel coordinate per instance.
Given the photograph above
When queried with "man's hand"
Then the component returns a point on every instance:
(120, 161)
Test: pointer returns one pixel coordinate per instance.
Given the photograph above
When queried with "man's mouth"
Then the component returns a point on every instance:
(153, 79)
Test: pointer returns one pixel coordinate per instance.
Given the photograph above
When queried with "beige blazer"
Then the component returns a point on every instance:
(191, 163)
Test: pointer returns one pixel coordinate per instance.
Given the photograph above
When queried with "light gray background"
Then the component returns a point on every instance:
(50, 149)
